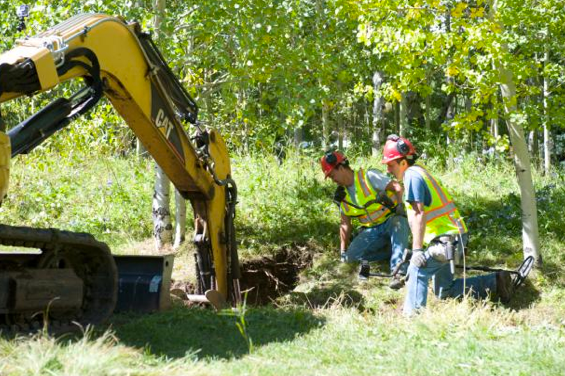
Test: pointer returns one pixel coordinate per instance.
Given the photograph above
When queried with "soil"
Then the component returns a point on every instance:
(263, 279)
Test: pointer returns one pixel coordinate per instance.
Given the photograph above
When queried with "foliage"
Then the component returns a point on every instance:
(262, 69)
(108, 197)
(270, 217)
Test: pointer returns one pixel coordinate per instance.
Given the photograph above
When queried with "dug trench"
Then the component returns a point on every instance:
(263, 279)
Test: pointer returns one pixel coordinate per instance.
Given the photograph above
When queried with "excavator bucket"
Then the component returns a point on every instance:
(143, 283)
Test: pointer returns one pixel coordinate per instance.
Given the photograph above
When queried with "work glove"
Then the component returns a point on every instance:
(383, 199)
(339, 194)
(342, 256)
(418, 258)
(400, 210)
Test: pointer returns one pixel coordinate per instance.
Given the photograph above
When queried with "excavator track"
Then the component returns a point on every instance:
(54, 280)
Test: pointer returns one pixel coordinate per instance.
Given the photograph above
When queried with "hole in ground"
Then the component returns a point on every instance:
(265, 278)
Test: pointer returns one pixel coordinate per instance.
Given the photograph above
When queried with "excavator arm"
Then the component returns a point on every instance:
(117, 60)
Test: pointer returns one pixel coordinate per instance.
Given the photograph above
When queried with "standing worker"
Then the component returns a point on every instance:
(438, 233)
(360, 195)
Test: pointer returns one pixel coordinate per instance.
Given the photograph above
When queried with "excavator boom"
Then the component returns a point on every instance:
(116, 60)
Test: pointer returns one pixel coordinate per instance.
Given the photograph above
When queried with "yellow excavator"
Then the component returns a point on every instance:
(73, 277)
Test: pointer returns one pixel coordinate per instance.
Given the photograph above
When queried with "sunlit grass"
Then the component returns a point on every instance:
(331, 324)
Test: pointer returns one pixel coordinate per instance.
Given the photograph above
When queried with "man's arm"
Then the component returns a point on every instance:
(344, 232)
(417, 221)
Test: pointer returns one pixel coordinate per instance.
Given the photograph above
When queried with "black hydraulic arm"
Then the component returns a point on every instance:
(33, 131)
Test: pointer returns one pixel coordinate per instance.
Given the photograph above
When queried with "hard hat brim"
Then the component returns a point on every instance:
(388, 160)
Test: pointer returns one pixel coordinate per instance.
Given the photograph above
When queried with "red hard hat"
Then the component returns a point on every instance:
(331, 160)
(396, 148)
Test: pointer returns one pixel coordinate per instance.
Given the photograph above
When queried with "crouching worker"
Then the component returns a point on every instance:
(360, 196)
(438, 233)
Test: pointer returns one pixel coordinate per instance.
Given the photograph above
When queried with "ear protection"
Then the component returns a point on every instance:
(401, 146)
(330, 158)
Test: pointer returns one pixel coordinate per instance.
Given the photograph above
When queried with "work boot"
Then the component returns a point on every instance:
(364, 270)
(504, 286)
(397, 282)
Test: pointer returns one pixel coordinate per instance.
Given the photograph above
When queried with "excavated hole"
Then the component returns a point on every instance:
(267, 278)
(264, 279)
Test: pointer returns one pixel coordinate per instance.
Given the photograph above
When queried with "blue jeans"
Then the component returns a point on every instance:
(372, 244)
(443, 285)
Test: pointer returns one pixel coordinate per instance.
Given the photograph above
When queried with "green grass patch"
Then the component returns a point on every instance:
(465, 338)
(331, 323)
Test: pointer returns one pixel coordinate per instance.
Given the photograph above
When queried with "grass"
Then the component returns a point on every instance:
(466, 338)
(331, 324)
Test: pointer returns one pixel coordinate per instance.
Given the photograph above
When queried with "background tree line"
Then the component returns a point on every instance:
(274, 73)
(267, 71)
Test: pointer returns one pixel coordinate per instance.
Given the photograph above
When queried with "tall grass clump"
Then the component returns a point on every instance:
(109, 197)
(88, 354)
(282, 203)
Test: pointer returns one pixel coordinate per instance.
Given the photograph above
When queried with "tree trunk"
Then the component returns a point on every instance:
(396, 108)
(547, 122)
(522, 163)
(298, 136)
(325, 125)
(414, 111)
(159, 8)
(428, 112)
(180, 220)
(162, 228)
(378, 118)
(402, 118)
(447, 110)
(533, 146)
(494, 121)
(494, 125)
(340, 133)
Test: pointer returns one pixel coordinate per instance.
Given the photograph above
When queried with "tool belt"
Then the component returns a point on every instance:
(445, 248)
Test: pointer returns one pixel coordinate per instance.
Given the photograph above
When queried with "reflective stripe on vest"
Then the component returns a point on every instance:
(372, 213)
(442, 217)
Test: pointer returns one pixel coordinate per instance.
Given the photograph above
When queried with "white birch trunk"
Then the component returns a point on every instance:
(180, 220)
(522, 163)
(162, 227)
(494, 121)
(402, 119)
(546, 125)
(428, 112)
(325, 126)
(494, 126)
(378, 119)
(298, 137)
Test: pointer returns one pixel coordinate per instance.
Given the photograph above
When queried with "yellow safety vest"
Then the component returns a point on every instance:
(442, 217)
(372, 213)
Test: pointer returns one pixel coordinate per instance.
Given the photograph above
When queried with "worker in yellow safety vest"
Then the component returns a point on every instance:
(371, 198)
(439, 234)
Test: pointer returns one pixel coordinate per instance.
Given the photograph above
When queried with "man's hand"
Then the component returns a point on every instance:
(418, 258)
(342, 256)
(400, 210)
(339, 194)
(384, 200)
